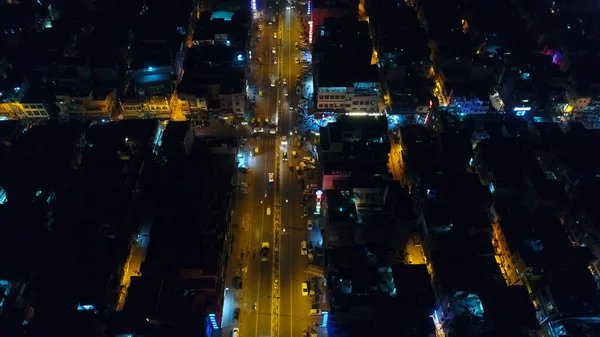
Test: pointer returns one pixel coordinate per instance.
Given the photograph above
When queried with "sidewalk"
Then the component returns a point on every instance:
(237, 266)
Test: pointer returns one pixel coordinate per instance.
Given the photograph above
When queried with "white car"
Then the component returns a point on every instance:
(273, 50)
(271, 177)
(273, 83)
(304, 289)
(275, 35)
(274, 60)
(303, 248)
(284, 82)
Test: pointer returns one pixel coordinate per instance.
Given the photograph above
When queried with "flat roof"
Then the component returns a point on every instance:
(342, 4)
(176, 131)
(346, 75)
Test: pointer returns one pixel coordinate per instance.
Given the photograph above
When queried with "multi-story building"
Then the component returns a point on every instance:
(157, 106)
(85, 102)
(339, 90)
(33, 105)
(232, 98)
(322, 9)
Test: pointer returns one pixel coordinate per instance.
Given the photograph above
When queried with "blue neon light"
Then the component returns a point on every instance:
(213, 321)
(325, 318)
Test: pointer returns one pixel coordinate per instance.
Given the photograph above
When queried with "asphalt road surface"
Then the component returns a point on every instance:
(294, 306)
(253, 223)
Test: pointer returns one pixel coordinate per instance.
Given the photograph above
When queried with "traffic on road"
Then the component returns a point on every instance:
(275, 280)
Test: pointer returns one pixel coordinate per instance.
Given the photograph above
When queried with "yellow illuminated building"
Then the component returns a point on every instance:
(465, 26)
(23, 111)
(509, 262)
(374, 57)
(362, 12)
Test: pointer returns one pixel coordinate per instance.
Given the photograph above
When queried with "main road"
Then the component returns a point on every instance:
(294, 306)
(273, 57)
(259, 280)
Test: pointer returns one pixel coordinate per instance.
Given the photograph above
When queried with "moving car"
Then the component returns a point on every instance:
(304, 289)
(256, 150)
(235, 332)
(294, 154)
(285, 156)
(303, 248)
(268, 210)
(297, 60)
(264, 252)
(283, 140)
(308, 160)
(274, 60)
(273, 50)
(298, 90)
(284, 82)
(309, 225)
(271, 177)
(275, 35)
(315, 312)
(272, 83)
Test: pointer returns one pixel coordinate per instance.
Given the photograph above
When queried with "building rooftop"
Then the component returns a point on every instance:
(9, 129)
(371, 129)
(354, 168)
(340, 208)
(346, 75)
(176, 131)
(148, 60)
(461, 270)
(342, 4)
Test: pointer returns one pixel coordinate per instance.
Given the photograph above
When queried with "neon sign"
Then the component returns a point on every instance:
(310, 31)
(213, 321)
(319, 199)
(308, 8)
